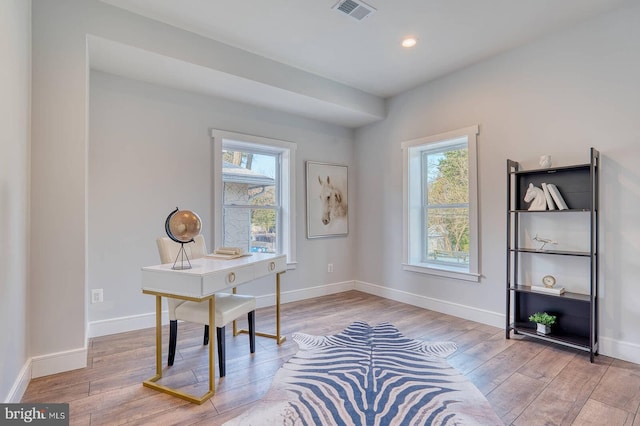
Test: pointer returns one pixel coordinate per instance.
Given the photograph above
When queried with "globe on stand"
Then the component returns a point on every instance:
(182, 226)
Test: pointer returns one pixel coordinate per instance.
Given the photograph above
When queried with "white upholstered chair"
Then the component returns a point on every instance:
(228, 306)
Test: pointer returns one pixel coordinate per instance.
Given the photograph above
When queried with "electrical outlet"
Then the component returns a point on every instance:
(97, 296)
(330, 267)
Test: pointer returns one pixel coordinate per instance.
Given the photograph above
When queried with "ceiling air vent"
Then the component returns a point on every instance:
(356, 9)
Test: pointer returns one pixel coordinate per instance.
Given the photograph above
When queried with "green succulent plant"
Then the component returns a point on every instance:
(543, 318)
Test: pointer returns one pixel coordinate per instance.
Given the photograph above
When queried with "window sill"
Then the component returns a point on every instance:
(441, 272)
(291, 265)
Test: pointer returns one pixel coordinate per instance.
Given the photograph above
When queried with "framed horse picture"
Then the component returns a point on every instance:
(327, 200)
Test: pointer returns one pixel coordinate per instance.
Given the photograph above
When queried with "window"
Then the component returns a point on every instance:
(251, 209)
(254, 194)
(440, 205)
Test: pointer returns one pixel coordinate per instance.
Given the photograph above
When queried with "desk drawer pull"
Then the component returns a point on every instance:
(232, 277)
(272, 266)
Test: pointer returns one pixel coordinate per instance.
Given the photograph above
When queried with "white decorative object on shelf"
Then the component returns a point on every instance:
(557, 197)
(550, 204)
(544, 329)
(544, 241)
(545, 161)
(549, 281)
(549, 290)
(535, 196)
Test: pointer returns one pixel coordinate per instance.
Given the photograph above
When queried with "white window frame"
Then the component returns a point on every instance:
(412, 226)
(287, 151)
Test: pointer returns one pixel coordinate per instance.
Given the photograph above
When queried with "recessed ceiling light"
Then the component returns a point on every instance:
(409, 41)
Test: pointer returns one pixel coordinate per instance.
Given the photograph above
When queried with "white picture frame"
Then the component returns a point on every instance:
(327, 200)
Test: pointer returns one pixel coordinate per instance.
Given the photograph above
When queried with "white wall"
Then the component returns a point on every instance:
(15, 87)
(558, 96)
(150, 151)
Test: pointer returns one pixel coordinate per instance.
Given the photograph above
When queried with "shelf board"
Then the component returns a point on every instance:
(529, 329)
(566, 295)
(551, 170)
(554, 252)
(551, 211)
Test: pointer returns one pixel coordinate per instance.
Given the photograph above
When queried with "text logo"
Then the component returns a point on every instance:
(34, 414)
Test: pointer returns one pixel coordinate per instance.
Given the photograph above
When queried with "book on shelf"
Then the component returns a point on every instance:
(549, 290)
(557, 197)
(550, 204)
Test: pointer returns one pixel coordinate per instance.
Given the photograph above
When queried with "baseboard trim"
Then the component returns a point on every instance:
(483, 316)
(306, 293)
(124, 324)
(20, 385)
(46, 365)
(625, 351)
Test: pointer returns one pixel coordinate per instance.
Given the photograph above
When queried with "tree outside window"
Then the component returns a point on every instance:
(446, 175)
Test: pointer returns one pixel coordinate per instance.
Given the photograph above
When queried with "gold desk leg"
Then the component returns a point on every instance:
(235, 328)
(279, 339)
(151, 382)
(212, 354)
(158, 375)
(159, 336)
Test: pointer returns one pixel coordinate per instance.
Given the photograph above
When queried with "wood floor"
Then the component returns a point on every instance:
(527, 382)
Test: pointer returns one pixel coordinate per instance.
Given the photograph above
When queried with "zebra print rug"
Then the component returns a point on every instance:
(369, 376)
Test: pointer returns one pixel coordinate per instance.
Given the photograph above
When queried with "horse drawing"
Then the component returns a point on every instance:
(333, 204)
(536, 197)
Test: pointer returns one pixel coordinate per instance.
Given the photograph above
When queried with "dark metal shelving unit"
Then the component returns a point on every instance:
(577, 313)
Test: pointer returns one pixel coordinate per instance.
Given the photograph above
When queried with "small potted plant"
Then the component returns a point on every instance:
(544, 321)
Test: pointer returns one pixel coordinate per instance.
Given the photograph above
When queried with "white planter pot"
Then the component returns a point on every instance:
(544, 329)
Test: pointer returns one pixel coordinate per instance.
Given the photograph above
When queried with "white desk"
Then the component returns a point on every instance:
(207, 277)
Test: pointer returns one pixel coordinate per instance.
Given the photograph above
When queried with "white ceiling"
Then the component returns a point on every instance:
(366, 55)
